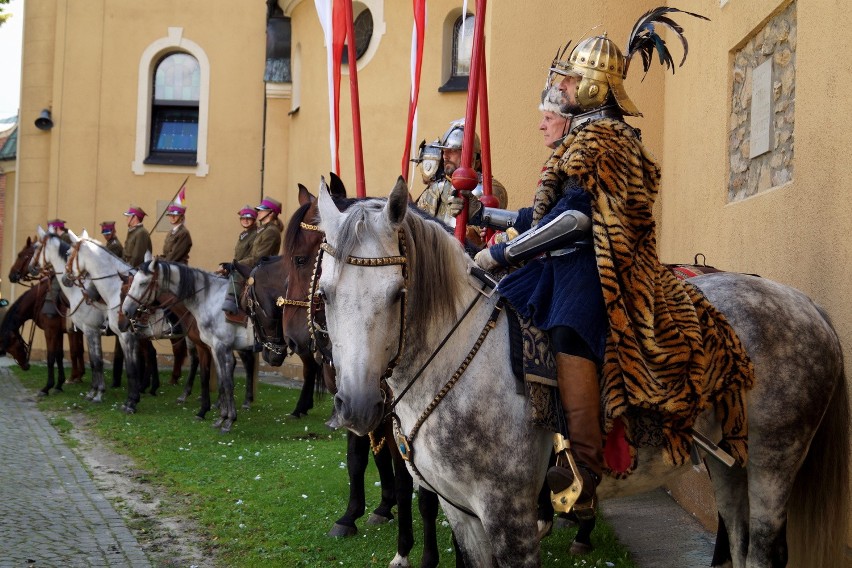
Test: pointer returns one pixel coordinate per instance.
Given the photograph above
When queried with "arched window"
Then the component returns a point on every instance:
(462, 37)
(174, 110)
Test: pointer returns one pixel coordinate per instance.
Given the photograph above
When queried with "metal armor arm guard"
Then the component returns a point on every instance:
(568, 227)
(493, 218)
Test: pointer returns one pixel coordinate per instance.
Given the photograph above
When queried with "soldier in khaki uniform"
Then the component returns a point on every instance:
(113, 245)
(248, 220)
(178, 242)
(266, 241)
(138, 240)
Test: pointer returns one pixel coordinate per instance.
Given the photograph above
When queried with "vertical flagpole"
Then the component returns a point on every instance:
(417, 40)
(465, 177)
(487, 199)
(360, 185)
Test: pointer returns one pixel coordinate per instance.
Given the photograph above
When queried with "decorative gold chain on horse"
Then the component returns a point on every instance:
(406, 442)
(400, 260)
(281, 300)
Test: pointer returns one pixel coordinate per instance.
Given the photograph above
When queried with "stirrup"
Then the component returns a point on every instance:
(564, 501)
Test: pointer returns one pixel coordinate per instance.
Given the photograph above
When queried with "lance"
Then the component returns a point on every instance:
(465, 177)
(160, 218)
(360, 185)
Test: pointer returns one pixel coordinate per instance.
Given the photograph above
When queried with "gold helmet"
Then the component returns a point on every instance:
(602, 67)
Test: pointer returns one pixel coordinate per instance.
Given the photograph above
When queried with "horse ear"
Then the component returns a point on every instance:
(338, 190)
(125, 278)
(74, 238)
(305, 196)
(148, 256)
(85, 235)
(40, 232)
(29, 242)
(397, 204)
(329, 215)
(152, 265)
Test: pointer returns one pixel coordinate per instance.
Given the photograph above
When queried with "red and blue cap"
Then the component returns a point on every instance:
(247, 212)
(135, 210)
(269, 204)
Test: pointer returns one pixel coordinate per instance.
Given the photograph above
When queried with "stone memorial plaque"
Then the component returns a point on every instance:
(761, 109)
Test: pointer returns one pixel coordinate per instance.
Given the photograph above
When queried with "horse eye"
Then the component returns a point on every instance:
(301, 260)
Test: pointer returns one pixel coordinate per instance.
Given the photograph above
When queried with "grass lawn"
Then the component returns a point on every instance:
(267, 493)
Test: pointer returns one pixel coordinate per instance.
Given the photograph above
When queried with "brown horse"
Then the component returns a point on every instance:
(28, 307)
(302, 241)
(20, 274)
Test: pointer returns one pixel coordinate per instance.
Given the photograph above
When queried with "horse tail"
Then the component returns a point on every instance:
(818, 508)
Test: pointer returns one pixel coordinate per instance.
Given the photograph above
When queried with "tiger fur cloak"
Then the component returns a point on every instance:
(669, 354)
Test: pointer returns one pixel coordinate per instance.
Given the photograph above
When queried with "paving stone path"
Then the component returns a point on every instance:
(51, 513)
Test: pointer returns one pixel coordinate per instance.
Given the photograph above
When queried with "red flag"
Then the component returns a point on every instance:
(338, 38)
(418, 35)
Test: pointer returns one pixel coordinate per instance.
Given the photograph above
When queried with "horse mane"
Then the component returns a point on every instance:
(186, 277)
(437, 265)
(116, 261)
(295, 235)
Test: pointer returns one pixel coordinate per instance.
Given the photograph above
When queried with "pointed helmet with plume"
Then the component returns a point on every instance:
(602, 67)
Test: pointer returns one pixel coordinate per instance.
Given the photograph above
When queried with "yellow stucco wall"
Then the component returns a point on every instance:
(82, 56)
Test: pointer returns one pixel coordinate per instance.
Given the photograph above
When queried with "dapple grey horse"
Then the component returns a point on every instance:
(387, 276)
(203, 294)
(89, 315)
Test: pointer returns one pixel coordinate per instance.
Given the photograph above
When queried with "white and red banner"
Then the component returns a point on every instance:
(332, 18)
(418, 33)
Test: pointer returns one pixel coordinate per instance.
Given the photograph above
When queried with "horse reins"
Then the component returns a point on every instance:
(405, 443)
(399, 260)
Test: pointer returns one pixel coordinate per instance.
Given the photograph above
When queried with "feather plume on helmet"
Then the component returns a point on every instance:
(602, 67)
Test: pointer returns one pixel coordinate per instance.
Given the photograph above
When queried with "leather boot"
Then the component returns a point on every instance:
(579, 391)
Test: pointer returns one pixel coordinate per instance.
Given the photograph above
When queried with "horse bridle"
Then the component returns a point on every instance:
(314, 306)
(274, 344)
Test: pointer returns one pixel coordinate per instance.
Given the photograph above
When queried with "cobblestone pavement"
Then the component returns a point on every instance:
(51, 513)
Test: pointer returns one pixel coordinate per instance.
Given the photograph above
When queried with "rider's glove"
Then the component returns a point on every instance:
(485, 261)
(455, 204)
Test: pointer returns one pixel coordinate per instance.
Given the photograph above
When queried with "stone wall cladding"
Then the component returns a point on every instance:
(776, 40)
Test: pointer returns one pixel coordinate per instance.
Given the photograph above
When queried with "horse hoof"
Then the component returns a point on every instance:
(42, 393)
(129, 410)
(217, 423)
(57, 389)
(153, 393)
(544, 528)
(399, 562)
(296, 414)
(246, 406)
(580, 549)
(342, 531)
(376, 519)
(181, 400)
(199, 417)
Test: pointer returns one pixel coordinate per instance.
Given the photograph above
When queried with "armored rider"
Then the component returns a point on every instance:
(57, 227)
(588, 271)
(439, 190)
(113, 245)
(138, 240)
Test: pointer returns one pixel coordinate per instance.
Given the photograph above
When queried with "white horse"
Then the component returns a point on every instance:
(203, 294)
(89, 316)
(395, 285)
